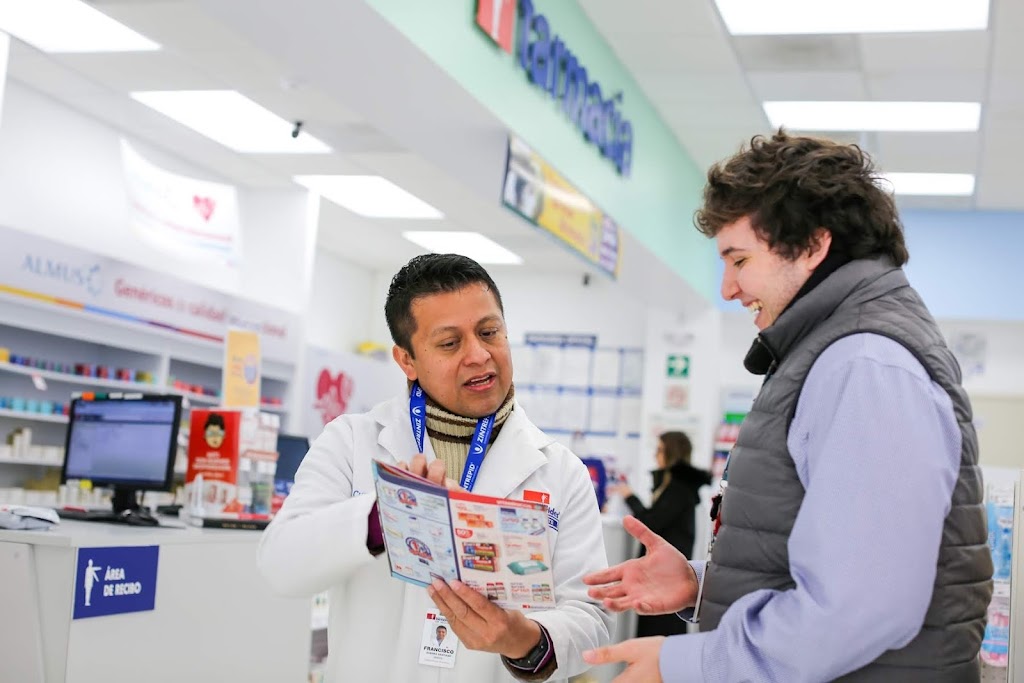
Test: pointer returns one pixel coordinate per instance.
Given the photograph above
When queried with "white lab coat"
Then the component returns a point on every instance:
(318, 542)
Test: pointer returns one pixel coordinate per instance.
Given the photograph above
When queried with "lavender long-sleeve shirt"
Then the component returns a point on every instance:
(877, 449)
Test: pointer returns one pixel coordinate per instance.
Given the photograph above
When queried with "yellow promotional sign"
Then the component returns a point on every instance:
(240, 383)
(537, 192)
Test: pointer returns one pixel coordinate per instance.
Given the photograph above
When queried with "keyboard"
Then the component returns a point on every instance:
(88, 515)
(133, 519)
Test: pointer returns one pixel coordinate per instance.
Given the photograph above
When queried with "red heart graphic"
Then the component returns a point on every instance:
(204, 205)
(332, 394)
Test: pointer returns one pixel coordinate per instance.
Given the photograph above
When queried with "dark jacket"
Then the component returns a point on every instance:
(764, 495)
(672, 515)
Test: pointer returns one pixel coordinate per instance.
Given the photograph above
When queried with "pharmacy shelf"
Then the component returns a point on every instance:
(201, 399)
(33, 417)
(30, 461)
(80, 380)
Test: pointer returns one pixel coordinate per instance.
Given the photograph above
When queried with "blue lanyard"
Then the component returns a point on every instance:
(477, 447)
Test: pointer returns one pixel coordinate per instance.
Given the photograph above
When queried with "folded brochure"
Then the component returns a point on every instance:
(498, 547)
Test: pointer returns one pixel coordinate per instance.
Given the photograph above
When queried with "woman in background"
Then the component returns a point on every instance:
(671, 515)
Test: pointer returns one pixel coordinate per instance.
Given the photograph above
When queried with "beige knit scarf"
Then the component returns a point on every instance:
(450, 434)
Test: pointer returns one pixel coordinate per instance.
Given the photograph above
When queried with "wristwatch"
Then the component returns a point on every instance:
(535, 656)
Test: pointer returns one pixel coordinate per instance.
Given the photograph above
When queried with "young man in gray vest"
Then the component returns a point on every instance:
(851, 539)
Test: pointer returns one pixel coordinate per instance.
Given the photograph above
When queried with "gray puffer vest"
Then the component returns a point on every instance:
(765, 493)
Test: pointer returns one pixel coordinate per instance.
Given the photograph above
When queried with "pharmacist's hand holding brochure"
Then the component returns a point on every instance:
(496, 546)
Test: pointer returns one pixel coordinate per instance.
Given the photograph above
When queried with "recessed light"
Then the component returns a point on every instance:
(791, 17)
(369, 195)
(68, 26)
(472, 244)
(233, 120)
(875, 116)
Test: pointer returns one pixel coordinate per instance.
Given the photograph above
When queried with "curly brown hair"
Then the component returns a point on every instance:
(790, 186)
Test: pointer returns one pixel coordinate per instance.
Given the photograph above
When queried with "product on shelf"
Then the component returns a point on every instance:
(79, 369)
(995, 646)
(200, 389)
(232, 458)
(32, 405)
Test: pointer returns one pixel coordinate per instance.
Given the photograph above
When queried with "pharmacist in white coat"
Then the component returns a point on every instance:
(447, 320)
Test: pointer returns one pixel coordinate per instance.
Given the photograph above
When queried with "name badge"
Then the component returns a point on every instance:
(439, 644)
(542, 497)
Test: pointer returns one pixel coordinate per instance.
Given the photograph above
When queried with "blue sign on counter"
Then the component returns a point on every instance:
(115, 580)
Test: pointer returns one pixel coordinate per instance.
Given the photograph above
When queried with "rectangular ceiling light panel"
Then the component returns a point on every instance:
(794, 17)
(68, 26)
(875, 116)
(369, 195)
(472, 244)
(233, 120)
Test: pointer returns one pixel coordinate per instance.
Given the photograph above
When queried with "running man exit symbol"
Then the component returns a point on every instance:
(677, 366)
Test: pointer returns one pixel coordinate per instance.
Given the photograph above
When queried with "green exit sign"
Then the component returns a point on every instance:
(677, 366)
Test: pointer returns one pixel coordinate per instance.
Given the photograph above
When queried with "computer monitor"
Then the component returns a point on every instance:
(290, 452)
(127, 442)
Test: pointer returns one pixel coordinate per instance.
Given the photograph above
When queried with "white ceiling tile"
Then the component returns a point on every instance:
(303, 103)
(711, 146)
(927, 152)
(927, 86)
(955, 50)
(1007, 85)
(807, 85)
(1003, 122)
(941, 203)
(798, 53)
(650, 17)
(1008, 16)
(1000, 190)
(688, 86)
(709, 54)
(745, 119)
(42, 72)
(128, 72)
(1002, 150)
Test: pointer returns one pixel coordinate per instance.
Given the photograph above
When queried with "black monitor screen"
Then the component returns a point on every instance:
(290, 452)
(123, 441)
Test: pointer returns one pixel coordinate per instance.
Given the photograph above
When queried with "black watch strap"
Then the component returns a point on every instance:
(535, 656)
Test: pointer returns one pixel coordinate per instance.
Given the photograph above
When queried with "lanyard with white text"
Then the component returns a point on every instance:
(477, 447)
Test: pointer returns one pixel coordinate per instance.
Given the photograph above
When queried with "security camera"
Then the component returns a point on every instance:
(297, 129)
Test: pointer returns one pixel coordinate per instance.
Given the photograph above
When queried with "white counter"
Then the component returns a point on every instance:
(214, 618)
(619, 546)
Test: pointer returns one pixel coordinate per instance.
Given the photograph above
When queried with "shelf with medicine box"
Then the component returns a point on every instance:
(199, 381)
(51, 354)
(34, 372)
(30, 462)
(32, 416)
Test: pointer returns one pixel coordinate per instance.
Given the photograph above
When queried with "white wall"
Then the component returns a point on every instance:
(737, 334)
(1002, 371)
(995, 384)
(61, 178)
(536, 302)
(697, 336)
(561, 303)
(1002, 360)
(343, 304)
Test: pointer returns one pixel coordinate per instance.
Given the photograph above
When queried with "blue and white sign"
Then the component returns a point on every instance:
(115, 580)
(551, 65)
